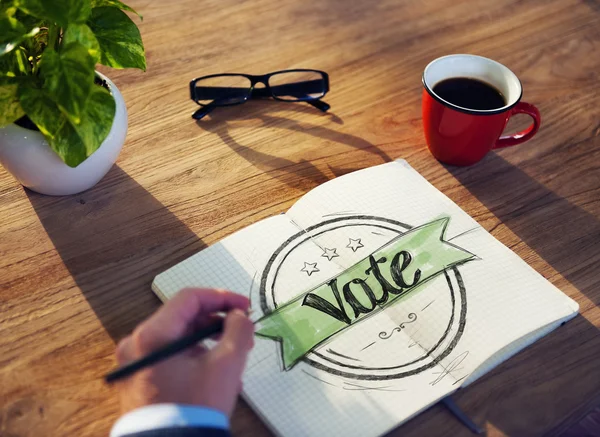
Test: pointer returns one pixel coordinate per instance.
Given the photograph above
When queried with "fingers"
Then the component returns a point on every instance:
(181, 314)
(206, 321)
(238, 336)
(125, 352)
(210, 300)
(230, 355)
(197, 351)
(185, 308)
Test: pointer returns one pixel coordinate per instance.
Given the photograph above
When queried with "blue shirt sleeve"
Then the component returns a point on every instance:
(160, 416)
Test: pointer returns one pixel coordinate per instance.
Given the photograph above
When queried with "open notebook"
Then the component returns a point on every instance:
(374, 297)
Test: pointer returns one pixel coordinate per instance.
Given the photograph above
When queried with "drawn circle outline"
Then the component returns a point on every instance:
(462, 317)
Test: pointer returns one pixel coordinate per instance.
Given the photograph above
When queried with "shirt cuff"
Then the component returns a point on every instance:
(160, 416)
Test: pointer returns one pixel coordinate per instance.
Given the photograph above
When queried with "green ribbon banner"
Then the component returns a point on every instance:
(378, 281)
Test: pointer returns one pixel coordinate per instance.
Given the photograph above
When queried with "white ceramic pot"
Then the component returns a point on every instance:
(28, 157)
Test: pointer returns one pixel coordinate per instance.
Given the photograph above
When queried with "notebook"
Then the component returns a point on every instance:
(374, 297)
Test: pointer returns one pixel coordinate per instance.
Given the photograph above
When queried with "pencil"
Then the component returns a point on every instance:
(164, 352)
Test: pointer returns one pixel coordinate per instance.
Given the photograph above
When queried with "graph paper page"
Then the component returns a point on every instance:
(374, 297)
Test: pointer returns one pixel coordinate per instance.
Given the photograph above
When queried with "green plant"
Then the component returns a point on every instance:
(48, 54)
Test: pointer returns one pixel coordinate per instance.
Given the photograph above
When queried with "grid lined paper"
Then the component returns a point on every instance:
(505, 305)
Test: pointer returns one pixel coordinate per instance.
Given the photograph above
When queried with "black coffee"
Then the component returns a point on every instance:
(470, 93)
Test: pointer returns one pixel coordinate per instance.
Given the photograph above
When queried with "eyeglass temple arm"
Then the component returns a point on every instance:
(259, 93)
(205, 110)
(202, 112)
(319, 104)
(299, 89)
(302, 90)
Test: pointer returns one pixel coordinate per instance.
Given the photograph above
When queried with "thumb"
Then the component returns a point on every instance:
(238, 335)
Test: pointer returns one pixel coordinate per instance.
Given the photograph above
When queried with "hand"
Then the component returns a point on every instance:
(198, 376)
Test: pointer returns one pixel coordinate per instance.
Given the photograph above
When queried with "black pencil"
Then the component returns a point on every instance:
(165, 352)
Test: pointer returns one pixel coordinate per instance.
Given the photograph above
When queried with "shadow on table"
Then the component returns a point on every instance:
(114, 239)
(301, 175)
(558, 370)
(542, 390)
(563, 234)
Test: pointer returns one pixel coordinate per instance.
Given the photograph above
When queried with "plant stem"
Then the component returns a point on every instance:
(53, 33)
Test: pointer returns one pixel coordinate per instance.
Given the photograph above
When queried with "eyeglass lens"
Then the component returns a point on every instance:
(297, 85)
(222, 90)
(290, 86)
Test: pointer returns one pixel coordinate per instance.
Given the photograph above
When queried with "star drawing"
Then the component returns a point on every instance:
(355, 244)
(329, 253)
(309, 268)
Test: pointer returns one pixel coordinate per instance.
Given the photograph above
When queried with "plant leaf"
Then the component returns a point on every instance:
(73, 143)
(97, 119)
(115, 4)
(42, 110)
(119, 38)
(10, 107)
(29, 21)
(14, 64)
(8, 8)
(12, 32)
(69, 77)
(83, 35)
(62, 12)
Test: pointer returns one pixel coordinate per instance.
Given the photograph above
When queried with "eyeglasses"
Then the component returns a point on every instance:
(234, 89)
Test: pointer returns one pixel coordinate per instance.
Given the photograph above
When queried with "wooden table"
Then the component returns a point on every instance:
(75, 271)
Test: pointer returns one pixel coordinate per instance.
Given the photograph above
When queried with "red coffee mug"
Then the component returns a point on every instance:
(462, 136)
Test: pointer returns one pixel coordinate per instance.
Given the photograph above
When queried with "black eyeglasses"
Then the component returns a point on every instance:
(234, 89)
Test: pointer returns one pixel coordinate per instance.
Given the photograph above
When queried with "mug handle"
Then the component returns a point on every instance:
(524, 135)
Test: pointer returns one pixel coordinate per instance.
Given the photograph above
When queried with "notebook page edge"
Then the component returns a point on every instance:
(156, 290)
(155, 286)
(515, 347)
(256, 410)
(568, 301)
(432, 399)
(313, 193)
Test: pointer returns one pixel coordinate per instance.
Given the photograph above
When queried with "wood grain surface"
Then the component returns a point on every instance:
(75, 272)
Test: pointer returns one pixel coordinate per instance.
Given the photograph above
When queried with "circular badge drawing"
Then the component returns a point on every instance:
(389, 343)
